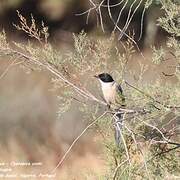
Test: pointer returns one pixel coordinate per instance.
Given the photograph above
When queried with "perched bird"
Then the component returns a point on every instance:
(115, 99)
(112, 91)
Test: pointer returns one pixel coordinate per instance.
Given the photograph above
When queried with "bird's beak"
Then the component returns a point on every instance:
(96, 76)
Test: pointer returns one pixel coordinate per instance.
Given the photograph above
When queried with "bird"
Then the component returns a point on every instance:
(115, 99)
(112, 91)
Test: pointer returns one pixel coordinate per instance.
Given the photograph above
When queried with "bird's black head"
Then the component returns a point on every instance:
(105, 77)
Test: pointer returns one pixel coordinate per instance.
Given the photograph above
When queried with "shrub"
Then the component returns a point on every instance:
(149, 149)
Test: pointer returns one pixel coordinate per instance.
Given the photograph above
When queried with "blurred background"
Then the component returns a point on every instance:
(30, 129)
(64, 17)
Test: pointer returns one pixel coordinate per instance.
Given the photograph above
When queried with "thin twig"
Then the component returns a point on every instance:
(119, 15)
(50, 68)
(117, 168)
(122, 137)
(7, 69)
(130, 19)
(142, 19)
(76, 140)
(100, 15)
(139, 148)
(149, 96)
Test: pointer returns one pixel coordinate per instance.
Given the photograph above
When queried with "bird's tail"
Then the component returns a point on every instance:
(118, 128)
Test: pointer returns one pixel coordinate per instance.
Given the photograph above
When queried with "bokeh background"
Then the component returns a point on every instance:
(62, 17)
(30, 129)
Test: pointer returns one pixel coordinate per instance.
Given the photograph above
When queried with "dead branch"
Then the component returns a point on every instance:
(76, 140)
(117, 168)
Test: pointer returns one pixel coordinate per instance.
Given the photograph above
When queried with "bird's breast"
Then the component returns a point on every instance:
(109, 93)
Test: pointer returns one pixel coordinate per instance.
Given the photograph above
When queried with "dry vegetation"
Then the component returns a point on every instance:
(150, 143)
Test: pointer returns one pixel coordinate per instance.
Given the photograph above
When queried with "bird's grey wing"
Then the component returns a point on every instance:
(119, 89)
(120, 99)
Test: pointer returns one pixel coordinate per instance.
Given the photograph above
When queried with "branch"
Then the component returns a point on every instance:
(76, 140)
(55, 72)
(97, 8)
(7, 68)
(116, 170)
(129, 19)
(149, 96)
(122, 137)
(139, 148)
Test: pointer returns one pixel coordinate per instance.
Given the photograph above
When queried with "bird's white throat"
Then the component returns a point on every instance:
(106, 85)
